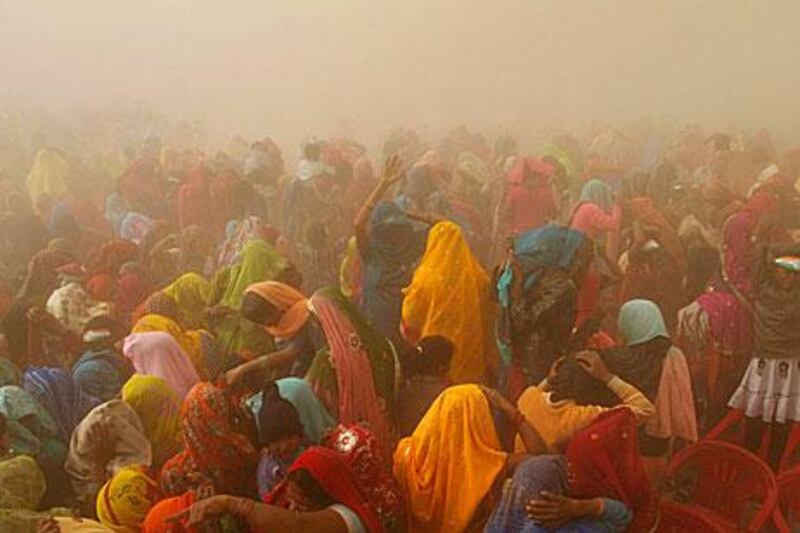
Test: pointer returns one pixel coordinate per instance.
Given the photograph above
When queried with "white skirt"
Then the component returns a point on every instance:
(770, 390)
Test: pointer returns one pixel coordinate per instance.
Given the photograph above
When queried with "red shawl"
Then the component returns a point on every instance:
(338, 481)
(603, 461)
(529, 200)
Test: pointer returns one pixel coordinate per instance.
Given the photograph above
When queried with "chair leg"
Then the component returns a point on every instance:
(766, 442)
(733, 417)
(792, 442)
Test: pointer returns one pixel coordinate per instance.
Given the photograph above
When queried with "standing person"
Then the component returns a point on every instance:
(449, 296)
(389, 246)
(528, 201)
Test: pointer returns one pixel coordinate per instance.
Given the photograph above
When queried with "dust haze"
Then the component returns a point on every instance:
(297, 68)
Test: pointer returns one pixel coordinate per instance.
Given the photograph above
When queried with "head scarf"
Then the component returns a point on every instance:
(362, 453)
(641, 321)
(48, 176)
(156, 521)
(449, 464)
(290, 302)
(472, 167)
(312, 414)
(42, 277)
(529, 200)
(603, 461)
(132, 290)
(191, 292)
(72, 306)
(22, 483)
(597, 192)
(449, 296)
(101, 287)
(363, 365)
(260, 262)
(158, 408)
(131, 446)
(190, 341)
(111, 256)
(338, 481)
(213, 450)
(29, 439)
(101, 373)
(64, 399)
(116, 210)
(125, 500)
(157, 354)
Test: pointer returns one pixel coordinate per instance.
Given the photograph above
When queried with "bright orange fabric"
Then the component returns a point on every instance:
(449, 296)
(290, 302)
(448, 465)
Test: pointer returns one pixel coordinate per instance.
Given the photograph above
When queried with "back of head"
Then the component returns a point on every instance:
(430, 357)
(572, 382)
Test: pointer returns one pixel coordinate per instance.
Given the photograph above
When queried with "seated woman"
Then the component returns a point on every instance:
(449, 296)
(320, 494)
(158, 409)
(598, 485)
(191, 342)
(289, 416)
(426, 366)
(570, 399)
(108, 439)
(191, 293)
(217, 446)
(451, 467)
(351, 370)
(125, 499)
(101, 370)
(659, 369)
(158, 354)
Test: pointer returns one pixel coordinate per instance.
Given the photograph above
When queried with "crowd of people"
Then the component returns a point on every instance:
(469, 338)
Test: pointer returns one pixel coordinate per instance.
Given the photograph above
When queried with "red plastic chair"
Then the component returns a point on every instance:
(734, 420)
(729, 481)
(788, 508)
(677, 518)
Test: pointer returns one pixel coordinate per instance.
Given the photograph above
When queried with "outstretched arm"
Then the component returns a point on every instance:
(391, 175)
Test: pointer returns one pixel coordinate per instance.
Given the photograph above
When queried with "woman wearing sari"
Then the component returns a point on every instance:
(528, 201)
(350, 367)
(259, 262)
(598, 485)
(449, 296)
(30, 430)
(63, 399)
(126, 498)
(49, 177)
(108, 439)
(158, 409)
(101, 370)
(320, 494)
(216, 448)
(191, 342)
(598, 217)
(450, 469)
(158, 354)
(191, 293)
(389, 246)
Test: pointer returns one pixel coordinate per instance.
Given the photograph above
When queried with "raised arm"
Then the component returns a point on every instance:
(391, 175)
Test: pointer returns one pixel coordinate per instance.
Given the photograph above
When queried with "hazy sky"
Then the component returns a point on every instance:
(296, 67)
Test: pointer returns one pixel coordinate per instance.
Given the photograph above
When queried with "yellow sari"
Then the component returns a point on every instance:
(449, 296)
(448, 465)
(49, 176)
(158, 409)
(190, 341)
(191, 293)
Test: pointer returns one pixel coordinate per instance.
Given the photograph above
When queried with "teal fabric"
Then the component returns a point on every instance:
(599, 193)
(641, 321)
(313, 415)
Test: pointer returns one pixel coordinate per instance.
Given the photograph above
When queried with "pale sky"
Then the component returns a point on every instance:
(302, 67)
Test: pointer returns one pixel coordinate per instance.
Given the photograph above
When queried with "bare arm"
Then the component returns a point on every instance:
(391, 175)
(262, 364)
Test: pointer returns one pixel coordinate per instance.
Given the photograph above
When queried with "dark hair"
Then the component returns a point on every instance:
(572, 382)
(311, 488)
(277, 418)
(256, 308)
(430, 357)
(312, 151)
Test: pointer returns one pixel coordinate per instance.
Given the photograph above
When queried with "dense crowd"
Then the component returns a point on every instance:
(471, 338)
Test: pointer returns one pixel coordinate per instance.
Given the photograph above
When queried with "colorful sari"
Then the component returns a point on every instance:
(125, 500)
(213, 452)
(362, 362)
(337, 479)
(157, 354)
(190, 341)
(449, 296)
(312, 414)
(30, 430)
(448, 466)
(64, 399)
(156, 520)
(191, 293)
(529, 201)
(158, 409)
